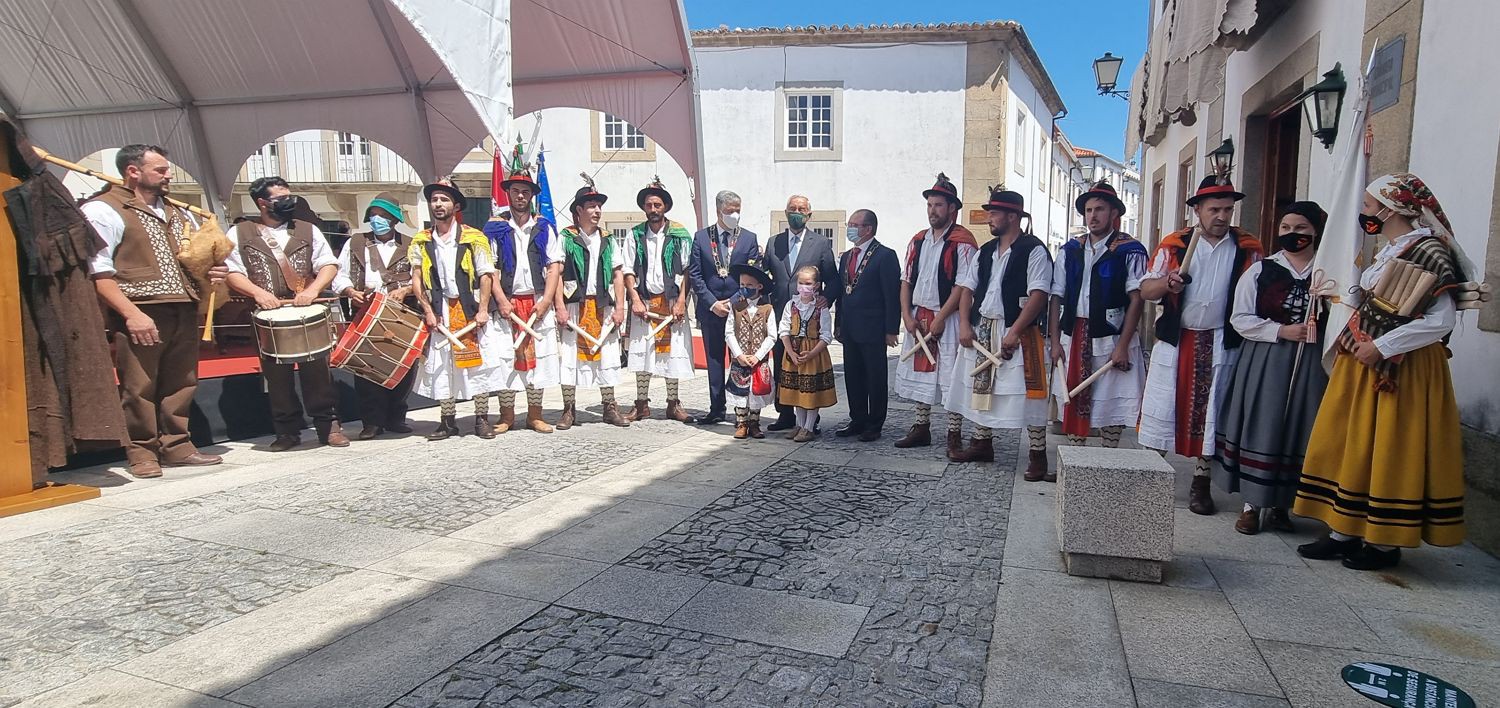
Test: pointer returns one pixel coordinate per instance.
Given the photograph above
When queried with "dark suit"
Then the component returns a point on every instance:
(863, 319)
(708, 288)
(816, 250)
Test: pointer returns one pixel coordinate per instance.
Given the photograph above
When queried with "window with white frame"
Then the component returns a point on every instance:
(809, 120)
(620, 135)
(1018, 140)
(349, 143)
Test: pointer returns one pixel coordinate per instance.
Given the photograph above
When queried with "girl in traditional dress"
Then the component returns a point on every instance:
(1385, 461)
(806, 370)
(751, 330)
(1278, 380)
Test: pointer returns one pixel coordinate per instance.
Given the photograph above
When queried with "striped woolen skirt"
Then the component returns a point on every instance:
(1266, 420)
(1388, 467)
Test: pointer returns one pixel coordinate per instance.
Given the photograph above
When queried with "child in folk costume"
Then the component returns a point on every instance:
(453, 266)
(1278, 381)
(1095, 314)
(661, 344)
(1384, 464)
(1003, 297)
(929, 313)
(751, 329)
(806, 369)
(528, 265)
(592, 299)
(1195, 346)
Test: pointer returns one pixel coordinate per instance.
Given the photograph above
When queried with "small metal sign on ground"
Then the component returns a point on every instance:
(1400, 687)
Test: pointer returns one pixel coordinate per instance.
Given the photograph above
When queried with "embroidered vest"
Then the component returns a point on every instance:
(363, 257)
(146, 265)
(503, 245)
(1107, 281)
(576, 263)
(260, 261)
(671, 266)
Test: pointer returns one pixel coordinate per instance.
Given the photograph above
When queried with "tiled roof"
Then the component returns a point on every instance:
(880, 28)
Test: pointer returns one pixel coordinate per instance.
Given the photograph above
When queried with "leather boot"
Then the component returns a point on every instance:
(446, 428)
(1249, 522)
(534, 420)
(755, 431)
(676, 412)
(1199, 500)
(1036, 467)
(507, 421)
(569, 418)
(977, 451)
(955, 444)
(920, 435)
(482, 427)
(612, 415)
(641, 412)
(741, 431)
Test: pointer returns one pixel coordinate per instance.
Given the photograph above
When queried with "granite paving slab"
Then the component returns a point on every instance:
(337, 542)
(631, 593)
(778, 619)
(499, 569)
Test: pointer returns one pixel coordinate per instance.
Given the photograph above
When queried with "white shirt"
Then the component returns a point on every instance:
(110, 226)
(654, 275)
(925, 292)
(322, 254)
(522, 283)
(1434, 324)
(1212, 268)
(825, 319)
(1244, 319)
(1092, 251)
(1038, 277)
(383, 249)
(594, 242)
(766, 345)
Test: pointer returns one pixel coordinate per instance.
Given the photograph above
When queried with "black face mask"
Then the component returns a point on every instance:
(1293, 242)
(284, 207)
(1372, 225)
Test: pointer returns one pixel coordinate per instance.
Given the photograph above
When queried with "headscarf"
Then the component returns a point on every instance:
(1314, 215)
(1407, 195)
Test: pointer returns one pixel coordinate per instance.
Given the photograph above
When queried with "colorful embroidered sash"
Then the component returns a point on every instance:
(588, 321)
(1195, 382)
(660, 306)
(468, 357)
(919, 361)
(524, 306)
(1079, 412)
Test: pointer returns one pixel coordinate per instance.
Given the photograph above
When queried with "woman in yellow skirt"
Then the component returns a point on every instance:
(806, 370)
(1384, 466)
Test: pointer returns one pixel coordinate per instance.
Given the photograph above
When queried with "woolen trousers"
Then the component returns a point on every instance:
(317, 394)
(157, 384)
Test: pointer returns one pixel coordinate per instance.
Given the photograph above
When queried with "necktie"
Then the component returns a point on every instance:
(853, 261)
(792, 251)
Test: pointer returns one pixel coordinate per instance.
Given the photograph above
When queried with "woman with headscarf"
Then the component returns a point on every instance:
(1278, 380)
(1384, 465)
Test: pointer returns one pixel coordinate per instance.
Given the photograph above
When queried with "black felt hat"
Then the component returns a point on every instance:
(943, 187)
(446, 188)
(587, 193)
(656, 188)
(1101, 190)
(1214, 187)
(1006, 200)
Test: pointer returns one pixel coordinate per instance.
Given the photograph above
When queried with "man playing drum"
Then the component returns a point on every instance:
(375, 260)
(454, 270)
(592, 298)
(277, 261)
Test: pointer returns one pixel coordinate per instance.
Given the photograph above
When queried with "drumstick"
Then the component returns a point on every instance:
(603, 334)
(454, 336)
(1098, 373)
(659, 327)
(316, 299)
(452, 339)
(921, 338)
(526, 327)
(989, 359)
(208, 319)
(582, 333)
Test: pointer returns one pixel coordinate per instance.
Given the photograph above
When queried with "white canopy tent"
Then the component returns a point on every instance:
(214, 80)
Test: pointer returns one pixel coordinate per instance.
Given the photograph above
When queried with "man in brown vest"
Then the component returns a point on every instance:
(152, 312)
(284, 258)
(374, 260)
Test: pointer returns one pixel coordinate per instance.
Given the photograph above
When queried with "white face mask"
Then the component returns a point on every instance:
(853, 234)
(732, 220)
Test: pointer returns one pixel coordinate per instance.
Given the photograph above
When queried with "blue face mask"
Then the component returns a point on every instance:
(750, 293)
(380, 225)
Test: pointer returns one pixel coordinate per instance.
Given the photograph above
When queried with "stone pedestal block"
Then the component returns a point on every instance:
(1114, 512)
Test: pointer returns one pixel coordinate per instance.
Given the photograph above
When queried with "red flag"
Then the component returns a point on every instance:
(497, 193)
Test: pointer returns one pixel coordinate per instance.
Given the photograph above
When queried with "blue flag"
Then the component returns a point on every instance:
(544, 200)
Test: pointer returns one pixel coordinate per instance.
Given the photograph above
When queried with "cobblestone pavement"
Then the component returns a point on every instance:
(664, 564)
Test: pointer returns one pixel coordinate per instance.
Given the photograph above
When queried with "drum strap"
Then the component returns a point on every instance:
(289, 274)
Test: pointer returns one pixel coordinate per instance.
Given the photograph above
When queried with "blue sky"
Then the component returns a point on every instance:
(1068, 35)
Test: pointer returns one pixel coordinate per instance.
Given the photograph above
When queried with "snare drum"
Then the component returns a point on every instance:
(383, 343)
(292, 334)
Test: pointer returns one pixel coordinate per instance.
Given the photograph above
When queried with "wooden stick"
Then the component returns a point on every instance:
(921, 338)
(989, 359)
(582, 333)
(603, 334)
(452, 339)
(1187, 256)
(526, 328)
(659, 327)
(49, 157)
(208, 319)
(1098, 374)
(454, 336)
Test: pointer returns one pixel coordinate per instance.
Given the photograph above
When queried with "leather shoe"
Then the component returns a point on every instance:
(1200, 500)
(1282, 521)
(870, 435)
(282, 443)
(1249, 522)
(336, 438)
(401, 428)
(197, 459)
(1326, 548)
(710, 418)
(848, 430)
(786, 423)
(369, 432)
(1371, 558)
(147, 469)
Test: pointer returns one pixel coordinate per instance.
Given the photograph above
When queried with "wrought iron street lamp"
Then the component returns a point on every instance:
(1323, 103)
(1221, 160)
(1107, 74)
